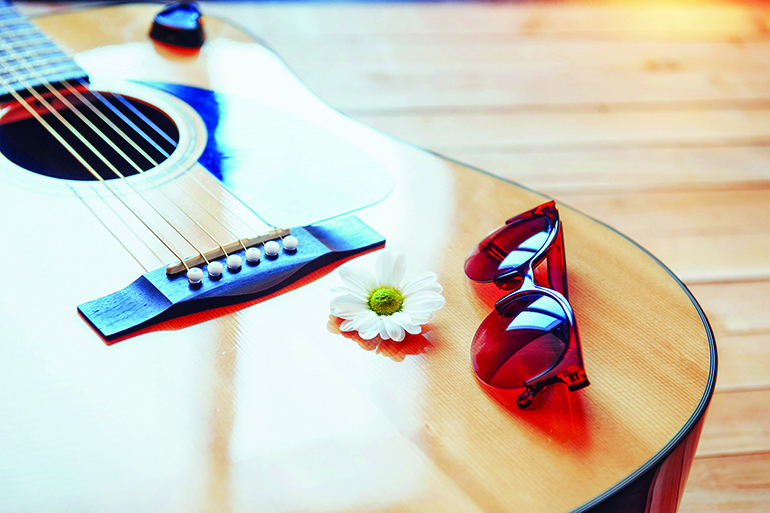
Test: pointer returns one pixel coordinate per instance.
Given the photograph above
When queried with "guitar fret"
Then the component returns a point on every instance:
(38, 52)
(18, 33)
(28, 58)
(27, 76)
(6, 70)
(27, 42)
(14, 29)
(8, 21)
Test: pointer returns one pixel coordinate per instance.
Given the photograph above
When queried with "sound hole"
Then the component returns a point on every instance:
(27, 143)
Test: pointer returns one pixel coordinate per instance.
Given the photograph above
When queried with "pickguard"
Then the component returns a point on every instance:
(291, 171)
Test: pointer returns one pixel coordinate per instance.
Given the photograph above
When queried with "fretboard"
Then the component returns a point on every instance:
(28, 58)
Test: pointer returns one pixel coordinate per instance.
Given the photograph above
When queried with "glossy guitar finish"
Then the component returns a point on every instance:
(264, 405)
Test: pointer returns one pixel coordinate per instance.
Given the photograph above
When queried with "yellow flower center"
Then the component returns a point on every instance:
(385, 301)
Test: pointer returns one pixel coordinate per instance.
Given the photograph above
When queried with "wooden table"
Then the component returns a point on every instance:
(652, 118)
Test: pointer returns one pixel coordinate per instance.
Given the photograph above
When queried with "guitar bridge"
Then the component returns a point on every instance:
(216, 253)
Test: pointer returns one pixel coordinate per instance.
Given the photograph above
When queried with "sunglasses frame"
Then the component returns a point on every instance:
(569, 369)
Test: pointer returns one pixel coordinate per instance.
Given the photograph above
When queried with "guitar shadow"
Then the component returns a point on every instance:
(412, 345)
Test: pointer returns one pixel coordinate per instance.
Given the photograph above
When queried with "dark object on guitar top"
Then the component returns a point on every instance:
(179, 24)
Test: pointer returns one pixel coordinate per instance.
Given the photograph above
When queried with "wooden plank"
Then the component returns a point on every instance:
(736, 423)
(735, 308)
(393, 53)
(675, 20)
(683, 228)
(744, 362)
(384, 73)
(614, 171)
(733, 484)
(449, 132)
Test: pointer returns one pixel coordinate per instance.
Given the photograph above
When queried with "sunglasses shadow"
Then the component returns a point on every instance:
(412, 345)
(556, 412)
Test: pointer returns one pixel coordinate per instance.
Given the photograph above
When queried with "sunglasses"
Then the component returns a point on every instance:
(530, 340)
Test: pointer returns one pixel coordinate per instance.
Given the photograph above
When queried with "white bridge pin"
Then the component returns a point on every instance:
(253, 255)
(194, 276)
(234, 262)
(272, 248)
(290, 243)
(215, 269)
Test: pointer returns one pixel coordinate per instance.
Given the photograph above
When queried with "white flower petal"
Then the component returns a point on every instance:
(370, 334)
(406, 322)
(384, 268)
(433, 287)
(383, 331)
(417, 321)
(427, 301)
(399, 269)
(401, 318)
(353, 292)
(423, 294)
(347, 300)
(351, 276)
(395, 331)
(413, 329)
(368, 280)
(349, 324)
(366, 321)
(418, 316)
(346, 306)
(418, 283)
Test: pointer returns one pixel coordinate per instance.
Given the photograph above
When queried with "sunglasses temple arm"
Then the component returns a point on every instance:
(569, 370)
(557, 265)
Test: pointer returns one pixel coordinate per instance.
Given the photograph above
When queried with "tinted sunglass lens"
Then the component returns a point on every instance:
(529, 338)
(507, 248)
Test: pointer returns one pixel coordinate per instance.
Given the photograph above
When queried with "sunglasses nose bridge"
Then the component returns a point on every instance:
(516, 279)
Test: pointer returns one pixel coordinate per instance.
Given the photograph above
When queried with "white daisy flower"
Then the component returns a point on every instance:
(385, 304)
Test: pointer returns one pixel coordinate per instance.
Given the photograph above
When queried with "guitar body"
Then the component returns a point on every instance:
(265, 405)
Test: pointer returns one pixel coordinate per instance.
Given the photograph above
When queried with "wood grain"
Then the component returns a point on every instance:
(387, 74)
(672, 20)
(743, 362)
(473, 131)
(704, 236)
(735, 308)
(622, 171)
(733, 484)
(738, 423)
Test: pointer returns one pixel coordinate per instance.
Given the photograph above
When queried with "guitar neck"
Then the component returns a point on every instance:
(28, 58)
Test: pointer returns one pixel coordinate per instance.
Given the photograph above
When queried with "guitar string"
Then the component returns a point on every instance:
(130, 228)
(130, 141)
(36, 53)
(163, 152)
(85, 141)
(173, 143)
(75, 192)
(105, 119)
(111, 144)
(53, 49)
(80, 159)
(148, 157)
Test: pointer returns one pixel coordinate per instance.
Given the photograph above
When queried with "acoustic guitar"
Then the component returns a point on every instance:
(244, 395)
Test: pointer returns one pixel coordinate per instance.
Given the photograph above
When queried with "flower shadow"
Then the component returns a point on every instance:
(412, 345)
